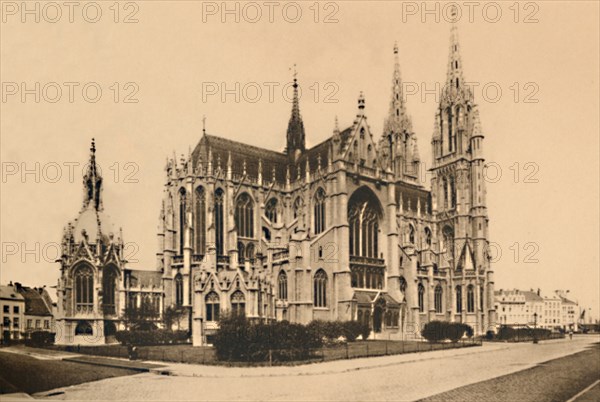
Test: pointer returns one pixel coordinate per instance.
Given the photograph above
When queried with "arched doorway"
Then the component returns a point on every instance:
(378, 312)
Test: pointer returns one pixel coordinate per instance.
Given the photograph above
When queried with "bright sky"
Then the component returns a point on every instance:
(543, 208)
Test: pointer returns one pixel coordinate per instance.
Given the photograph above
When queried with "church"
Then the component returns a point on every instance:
(343, 230)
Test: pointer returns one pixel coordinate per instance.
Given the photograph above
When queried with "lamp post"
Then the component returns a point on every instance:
(535, 328)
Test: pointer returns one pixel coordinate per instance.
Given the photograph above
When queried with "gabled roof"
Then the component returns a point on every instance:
(10, 293)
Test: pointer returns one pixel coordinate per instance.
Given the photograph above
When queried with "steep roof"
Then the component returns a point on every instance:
(532, 296)
(279, 162)
(221, 148)
(138, 277)
(34, 302)
(567, 301)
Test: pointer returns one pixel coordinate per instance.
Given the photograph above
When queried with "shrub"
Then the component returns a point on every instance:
(239, 339)
(436, 331)
(365, 331)
(509, 333)
(156, 337)
(489, 335)
(40, 338)
(351, 330)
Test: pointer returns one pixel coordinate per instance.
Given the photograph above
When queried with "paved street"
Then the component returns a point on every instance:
(556, 380)
(22, 373)
(405, 377)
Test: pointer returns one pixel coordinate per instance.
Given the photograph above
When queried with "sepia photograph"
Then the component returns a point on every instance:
(301, 200)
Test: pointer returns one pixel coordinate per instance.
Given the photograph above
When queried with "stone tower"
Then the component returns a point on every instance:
(458, 197)
(90, 289)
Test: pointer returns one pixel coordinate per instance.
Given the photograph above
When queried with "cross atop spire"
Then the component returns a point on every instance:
(92, 181)
(295, 130)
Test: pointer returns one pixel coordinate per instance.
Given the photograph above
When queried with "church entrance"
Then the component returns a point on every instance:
(378, 315)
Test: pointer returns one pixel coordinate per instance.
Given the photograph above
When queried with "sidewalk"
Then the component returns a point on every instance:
(319, 368)
(398, 377)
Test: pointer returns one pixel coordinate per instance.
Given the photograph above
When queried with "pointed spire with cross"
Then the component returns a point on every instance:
(295, 130)
(92, 181)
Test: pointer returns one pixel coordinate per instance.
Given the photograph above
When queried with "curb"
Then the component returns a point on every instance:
(114, 364)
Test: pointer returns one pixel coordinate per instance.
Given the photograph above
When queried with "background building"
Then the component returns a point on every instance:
(12, 310)
(519, 308)
(38, 309)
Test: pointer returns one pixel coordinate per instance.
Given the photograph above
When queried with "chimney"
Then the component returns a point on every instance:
(538, 291)
(18, 286)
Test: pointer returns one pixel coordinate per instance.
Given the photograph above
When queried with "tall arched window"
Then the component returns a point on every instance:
(238, 303)
(470, 299)
(218, 218)
(182, 208)
(445, 190)
(411, 234)
(459, 299)
(438, 299)
(109, 289)
(451, 136)
(481, 298)
(282, 285)
(244, 216)
(427, 237)
(363, 217)
(452, 192)
(271, 210)
(320, 289)
(200, 221)
(250, 252)
(213, 306)
(241, 252)
(84, 289)
(448, 246)
(421, 291)
(319, 211)
(179, 290)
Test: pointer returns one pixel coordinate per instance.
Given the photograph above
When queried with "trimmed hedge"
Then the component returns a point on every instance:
(436, 331)
(509, 333)
(332, 331)
(239, 339)
(156, 337)
(40, 338)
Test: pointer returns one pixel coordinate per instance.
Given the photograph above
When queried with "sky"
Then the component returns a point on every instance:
(161, 66)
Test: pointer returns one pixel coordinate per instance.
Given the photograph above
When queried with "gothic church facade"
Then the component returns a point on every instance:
(343, 230)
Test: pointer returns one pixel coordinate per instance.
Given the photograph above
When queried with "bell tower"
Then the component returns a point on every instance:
(458, 197)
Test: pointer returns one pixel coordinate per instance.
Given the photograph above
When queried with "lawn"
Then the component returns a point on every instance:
(20, 373)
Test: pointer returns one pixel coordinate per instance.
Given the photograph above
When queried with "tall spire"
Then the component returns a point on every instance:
(295, 130)
(455, 88)
(92, 181)
(397, 120)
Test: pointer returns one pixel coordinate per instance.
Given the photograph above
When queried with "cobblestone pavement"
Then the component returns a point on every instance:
(383, 378)
(556, 380)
